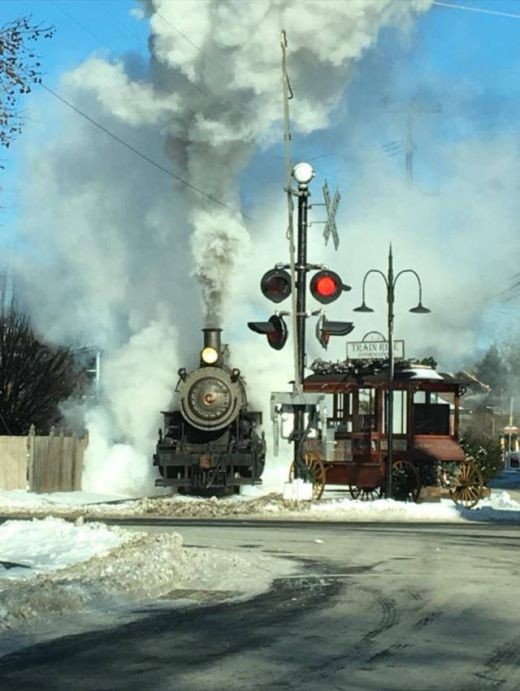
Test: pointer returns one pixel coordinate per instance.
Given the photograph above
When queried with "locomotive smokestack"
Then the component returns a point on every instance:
(212, 338)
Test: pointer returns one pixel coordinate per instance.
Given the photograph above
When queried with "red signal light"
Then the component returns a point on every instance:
(276, 285)
(326, 286)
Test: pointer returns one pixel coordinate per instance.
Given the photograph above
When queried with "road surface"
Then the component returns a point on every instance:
(372, 607)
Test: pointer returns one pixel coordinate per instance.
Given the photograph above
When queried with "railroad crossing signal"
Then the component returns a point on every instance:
(326, 286)
(276, 285)
(275, 329)
(332, 207)
(325, 329)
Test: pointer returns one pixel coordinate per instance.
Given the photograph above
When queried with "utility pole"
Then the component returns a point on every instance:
(409, 147)
(411, 111)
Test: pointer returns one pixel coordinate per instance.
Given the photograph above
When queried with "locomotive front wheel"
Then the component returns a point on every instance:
(406, 483)
(364, 493)
(466, 485)
(313, 471)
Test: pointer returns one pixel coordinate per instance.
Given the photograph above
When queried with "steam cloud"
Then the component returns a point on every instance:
(116, 245)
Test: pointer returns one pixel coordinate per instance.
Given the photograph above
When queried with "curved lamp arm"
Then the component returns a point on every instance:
(372, 271)
(411, 271)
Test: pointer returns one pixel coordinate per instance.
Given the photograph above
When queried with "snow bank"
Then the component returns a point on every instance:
(500, 506)
(49, 544)
(386, 510)
(22, 499)
(72, 568)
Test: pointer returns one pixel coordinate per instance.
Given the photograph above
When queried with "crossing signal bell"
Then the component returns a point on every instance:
(275, 329)
(326, 286)
(325, 329)
(276, 285)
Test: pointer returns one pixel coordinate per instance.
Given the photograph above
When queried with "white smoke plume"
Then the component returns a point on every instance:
(115, 246)
(215, 92)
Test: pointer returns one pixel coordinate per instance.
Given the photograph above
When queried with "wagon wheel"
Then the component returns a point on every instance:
(465, 485)
(406, 483)
(364, 493)
(313, 471)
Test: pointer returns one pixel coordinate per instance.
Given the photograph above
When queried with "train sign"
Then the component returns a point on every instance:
(373, 350)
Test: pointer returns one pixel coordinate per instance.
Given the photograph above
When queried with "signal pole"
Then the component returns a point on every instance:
(325, 287)
(301, 276)
(277, 284)
(303, 174)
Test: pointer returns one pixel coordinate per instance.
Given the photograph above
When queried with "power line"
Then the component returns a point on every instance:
(123, 27)
(187, 38)
(139, 153)
(119, 139)
(137, 38)
(80, 24)
(476, 9)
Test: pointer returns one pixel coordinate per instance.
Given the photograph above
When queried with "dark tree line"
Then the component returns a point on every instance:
(499, 370)
(35, 377)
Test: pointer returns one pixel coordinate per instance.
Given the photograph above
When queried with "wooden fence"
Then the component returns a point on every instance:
(50, 463)
(13, 462)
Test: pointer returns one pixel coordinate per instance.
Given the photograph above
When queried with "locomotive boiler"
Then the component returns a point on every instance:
(211, 443)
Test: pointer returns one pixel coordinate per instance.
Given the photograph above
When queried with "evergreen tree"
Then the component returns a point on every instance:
(492, 370)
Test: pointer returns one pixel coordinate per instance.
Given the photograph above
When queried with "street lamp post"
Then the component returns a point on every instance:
(390, 282)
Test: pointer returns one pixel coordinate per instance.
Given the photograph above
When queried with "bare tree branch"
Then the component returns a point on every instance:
(34, 377)
(19, 70)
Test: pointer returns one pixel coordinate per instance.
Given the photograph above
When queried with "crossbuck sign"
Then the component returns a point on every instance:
(373, 350)
(332, 207)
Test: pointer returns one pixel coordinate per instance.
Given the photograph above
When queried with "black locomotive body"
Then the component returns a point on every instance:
(211, 444)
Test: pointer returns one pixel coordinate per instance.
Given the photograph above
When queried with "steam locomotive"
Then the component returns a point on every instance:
(212, 443)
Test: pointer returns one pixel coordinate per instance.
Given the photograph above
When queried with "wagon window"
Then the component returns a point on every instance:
(400, 407)
(365, 411)
(341, 419)
(431, 414)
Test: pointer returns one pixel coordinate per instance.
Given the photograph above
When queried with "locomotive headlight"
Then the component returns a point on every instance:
(209, 355)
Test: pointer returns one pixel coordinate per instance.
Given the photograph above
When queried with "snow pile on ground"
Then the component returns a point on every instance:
(20, 498)
(174, 506)
(52, 544)
(387, 510)
(269, 506)
(78, 567)
(500, 506)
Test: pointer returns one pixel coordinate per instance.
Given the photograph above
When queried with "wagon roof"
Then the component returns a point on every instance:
(344, 376)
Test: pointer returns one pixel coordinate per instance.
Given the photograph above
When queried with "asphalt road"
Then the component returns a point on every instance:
(372, 607)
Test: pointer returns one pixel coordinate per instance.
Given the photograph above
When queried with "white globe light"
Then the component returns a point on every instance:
(209, 355)
(303, 173)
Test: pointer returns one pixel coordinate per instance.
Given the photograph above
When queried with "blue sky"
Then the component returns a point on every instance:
(459, 67)
(447, 46)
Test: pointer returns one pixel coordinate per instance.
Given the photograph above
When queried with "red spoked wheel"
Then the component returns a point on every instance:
(313, 471)
(465, 483)
(406, 483)
(365, 493)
